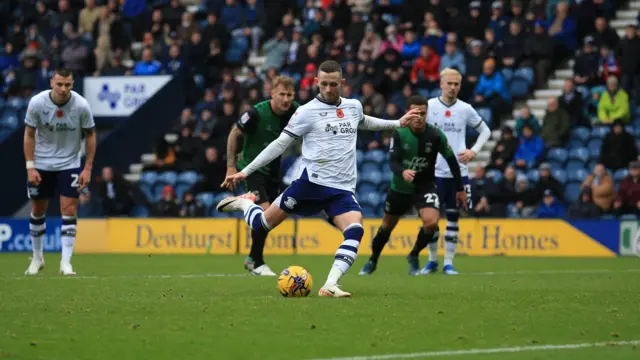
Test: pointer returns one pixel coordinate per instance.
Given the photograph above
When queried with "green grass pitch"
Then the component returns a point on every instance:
(206, 307)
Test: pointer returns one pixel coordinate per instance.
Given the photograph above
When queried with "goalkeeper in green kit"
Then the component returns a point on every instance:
(257, 128)
(414, 151)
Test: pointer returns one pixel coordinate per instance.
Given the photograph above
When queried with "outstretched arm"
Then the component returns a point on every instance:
(375, 124)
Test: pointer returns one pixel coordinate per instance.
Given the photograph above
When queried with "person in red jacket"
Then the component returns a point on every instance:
(426, 70)
(628, 200)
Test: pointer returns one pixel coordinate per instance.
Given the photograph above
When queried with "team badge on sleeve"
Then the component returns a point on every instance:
(244, 118)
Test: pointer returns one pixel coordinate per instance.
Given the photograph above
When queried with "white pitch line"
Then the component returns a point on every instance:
(215, 275)
(516, 349)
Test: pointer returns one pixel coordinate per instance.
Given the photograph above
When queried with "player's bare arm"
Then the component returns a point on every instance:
(234, 142)
(90, 150)
(33, 175)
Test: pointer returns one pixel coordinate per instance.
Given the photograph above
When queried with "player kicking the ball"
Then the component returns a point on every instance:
(413, 158)
(55, 122)
(329, 127)
(259, 127)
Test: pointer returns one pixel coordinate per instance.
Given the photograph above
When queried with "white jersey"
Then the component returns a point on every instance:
(329, 133)
(453, 121)
(58, 130)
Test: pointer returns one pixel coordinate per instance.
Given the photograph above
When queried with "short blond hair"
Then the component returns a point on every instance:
(283, 80)
(450, 71)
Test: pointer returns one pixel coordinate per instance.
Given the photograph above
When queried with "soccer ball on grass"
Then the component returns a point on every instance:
(295, 281)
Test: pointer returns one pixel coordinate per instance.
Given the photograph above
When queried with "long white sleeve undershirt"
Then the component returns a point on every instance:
(270, 153)
(485, 134)
(375, 124)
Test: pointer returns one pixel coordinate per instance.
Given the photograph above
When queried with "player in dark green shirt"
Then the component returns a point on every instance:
(258, 127)
(414, 151)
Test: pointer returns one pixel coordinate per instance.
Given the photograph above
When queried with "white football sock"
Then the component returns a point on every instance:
(433, 251)
(68, 239)
(37, 228)
(450, 252)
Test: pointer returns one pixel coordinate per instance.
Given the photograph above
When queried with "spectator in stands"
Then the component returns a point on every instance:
(608, 64)
(188, 148)
(505, 149)
(214, 30)
(8, 59)
(618, 147)
(614, 104)
(169, 206)
(490, 46)
(475, 22)
(525, 117)
(546, 181)
(605, 35)
(601, 188)
(550, 208)
(473, 61)
(530, 150)
(276, 51)
(165, 157)
(75, 55)
(498, 21)
(584, 208)
(482, 189)
(88, 17)
(114, 193)
(453, 59)
(538, 52)
(572, 102)
(562, 28)
(629, 56)
(190, 207)
(213, 169)
(147, 65)
(115, 68)
(506, 191)
(556, 125)
(524, 201)
(628, 199)
(585, 67)
(426, 70)
(371, 97)
(492, 91)
(411, 47)
(512, 51)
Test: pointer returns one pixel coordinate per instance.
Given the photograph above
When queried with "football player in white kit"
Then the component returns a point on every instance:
(56, 121)
(452, 116)
(328, 126)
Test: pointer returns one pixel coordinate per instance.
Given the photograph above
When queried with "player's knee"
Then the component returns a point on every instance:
(354, 231)
(38, 208)
(453, 215)
(430, 223)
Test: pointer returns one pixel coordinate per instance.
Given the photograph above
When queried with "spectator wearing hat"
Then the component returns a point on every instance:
(169, 206)
(473, 61)
(546, 181)
(614, 104)
(618, 147)
(498, 20)
(628, 199)
(550, 208)
(475, 22)
(601, 188)
(505, 150)
(584, 208)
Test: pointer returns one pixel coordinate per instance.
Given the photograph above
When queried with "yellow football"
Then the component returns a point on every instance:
(295, 281)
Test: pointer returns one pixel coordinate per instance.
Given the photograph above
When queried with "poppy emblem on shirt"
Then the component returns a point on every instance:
(447, 114)
(59, 113)
(339, 113)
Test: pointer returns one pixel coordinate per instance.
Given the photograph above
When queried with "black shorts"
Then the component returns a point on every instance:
(265, 188)
(64, 182)
(398, 204)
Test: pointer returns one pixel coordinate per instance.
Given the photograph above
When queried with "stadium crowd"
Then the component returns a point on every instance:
(389, 49)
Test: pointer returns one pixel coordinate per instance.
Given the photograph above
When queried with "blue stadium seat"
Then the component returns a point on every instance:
(581, 154)
(167, 178)
(380, 210)
(376, 156)
(371, 199)
(574, 165)
(16, 103)
(558, 154)
(620, 174)
(372, 177)
(367, 188)
(559, 175)
(574, 144)
(181, 189)
(485, 114)
(580, 133)
(592, 165)
(599, 132)
(572, 192)
(147, 182)
(368, 166)
(140, 212)
(359, 156)
(187, 178)
(206, 199)
(519, 87)
(525, 73)
(368, 211)
(594, 148)
(507, 74)
(556, 165)
(577, 175)
(496, 175)
(9, 121)
(630, 129)
(435, 92)
(386, 169)
(533, 175)
(384, 185)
